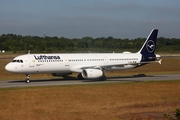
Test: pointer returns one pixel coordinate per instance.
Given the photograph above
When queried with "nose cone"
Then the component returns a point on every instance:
(9, 67)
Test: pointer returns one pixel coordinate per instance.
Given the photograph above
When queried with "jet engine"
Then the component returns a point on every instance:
(92, 73)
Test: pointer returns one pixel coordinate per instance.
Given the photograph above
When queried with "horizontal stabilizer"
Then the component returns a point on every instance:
(159, 61)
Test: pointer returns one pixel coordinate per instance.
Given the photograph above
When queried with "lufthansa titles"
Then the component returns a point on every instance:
(46, 57)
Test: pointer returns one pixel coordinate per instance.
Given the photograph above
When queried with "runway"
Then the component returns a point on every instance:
(74, 81)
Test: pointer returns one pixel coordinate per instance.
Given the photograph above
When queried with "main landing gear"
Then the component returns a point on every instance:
(27, 78)
(80, 77)
(102, 78)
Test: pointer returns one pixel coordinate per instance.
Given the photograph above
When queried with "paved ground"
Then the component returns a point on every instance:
(74, 81)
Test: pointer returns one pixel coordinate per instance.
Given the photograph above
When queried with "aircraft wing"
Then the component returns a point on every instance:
(80, 68)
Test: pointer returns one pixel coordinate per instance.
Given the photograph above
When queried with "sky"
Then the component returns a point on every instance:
(94, 18)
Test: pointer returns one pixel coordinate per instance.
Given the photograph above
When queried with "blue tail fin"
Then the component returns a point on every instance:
(149, 46)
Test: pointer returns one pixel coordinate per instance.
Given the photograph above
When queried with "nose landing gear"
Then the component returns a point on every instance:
(27, 78)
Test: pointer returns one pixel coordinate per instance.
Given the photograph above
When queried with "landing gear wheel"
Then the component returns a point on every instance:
(103, 78)
(27, 81)
(80, 77)
(27, 78)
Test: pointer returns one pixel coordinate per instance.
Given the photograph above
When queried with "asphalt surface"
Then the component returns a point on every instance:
(74, 81)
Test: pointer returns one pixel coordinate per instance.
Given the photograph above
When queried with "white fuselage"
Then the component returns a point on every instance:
(68, 63)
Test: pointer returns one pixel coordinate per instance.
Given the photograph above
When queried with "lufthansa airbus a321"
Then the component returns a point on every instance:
(89, 65)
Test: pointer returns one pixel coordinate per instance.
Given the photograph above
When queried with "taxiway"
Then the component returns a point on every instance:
(74, 81)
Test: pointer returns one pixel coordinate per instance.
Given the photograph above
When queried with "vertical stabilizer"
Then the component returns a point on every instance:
(149, 46)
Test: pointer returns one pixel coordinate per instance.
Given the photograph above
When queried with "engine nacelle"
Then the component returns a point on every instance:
(92, 73)
(60, 74)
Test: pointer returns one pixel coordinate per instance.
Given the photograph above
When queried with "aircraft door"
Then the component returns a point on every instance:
(31, 61)
(66, 61)
(106, 60)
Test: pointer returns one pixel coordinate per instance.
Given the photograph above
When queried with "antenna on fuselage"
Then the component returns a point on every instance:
(44, 34)
(29, 51)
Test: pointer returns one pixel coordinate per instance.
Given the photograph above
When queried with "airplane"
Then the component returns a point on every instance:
(87, 65)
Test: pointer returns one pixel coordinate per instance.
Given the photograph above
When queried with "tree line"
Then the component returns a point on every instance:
(17, 43)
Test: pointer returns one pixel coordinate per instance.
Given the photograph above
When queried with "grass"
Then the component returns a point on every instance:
(86, 102)
(141, 100)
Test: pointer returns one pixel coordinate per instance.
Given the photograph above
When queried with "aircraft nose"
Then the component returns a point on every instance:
(8, 67)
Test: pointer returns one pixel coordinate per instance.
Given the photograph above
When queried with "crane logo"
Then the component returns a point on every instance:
(150, 46)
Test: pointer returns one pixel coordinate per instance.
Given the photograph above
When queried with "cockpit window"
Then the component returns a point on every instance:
(17, 61)
(14, 61)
